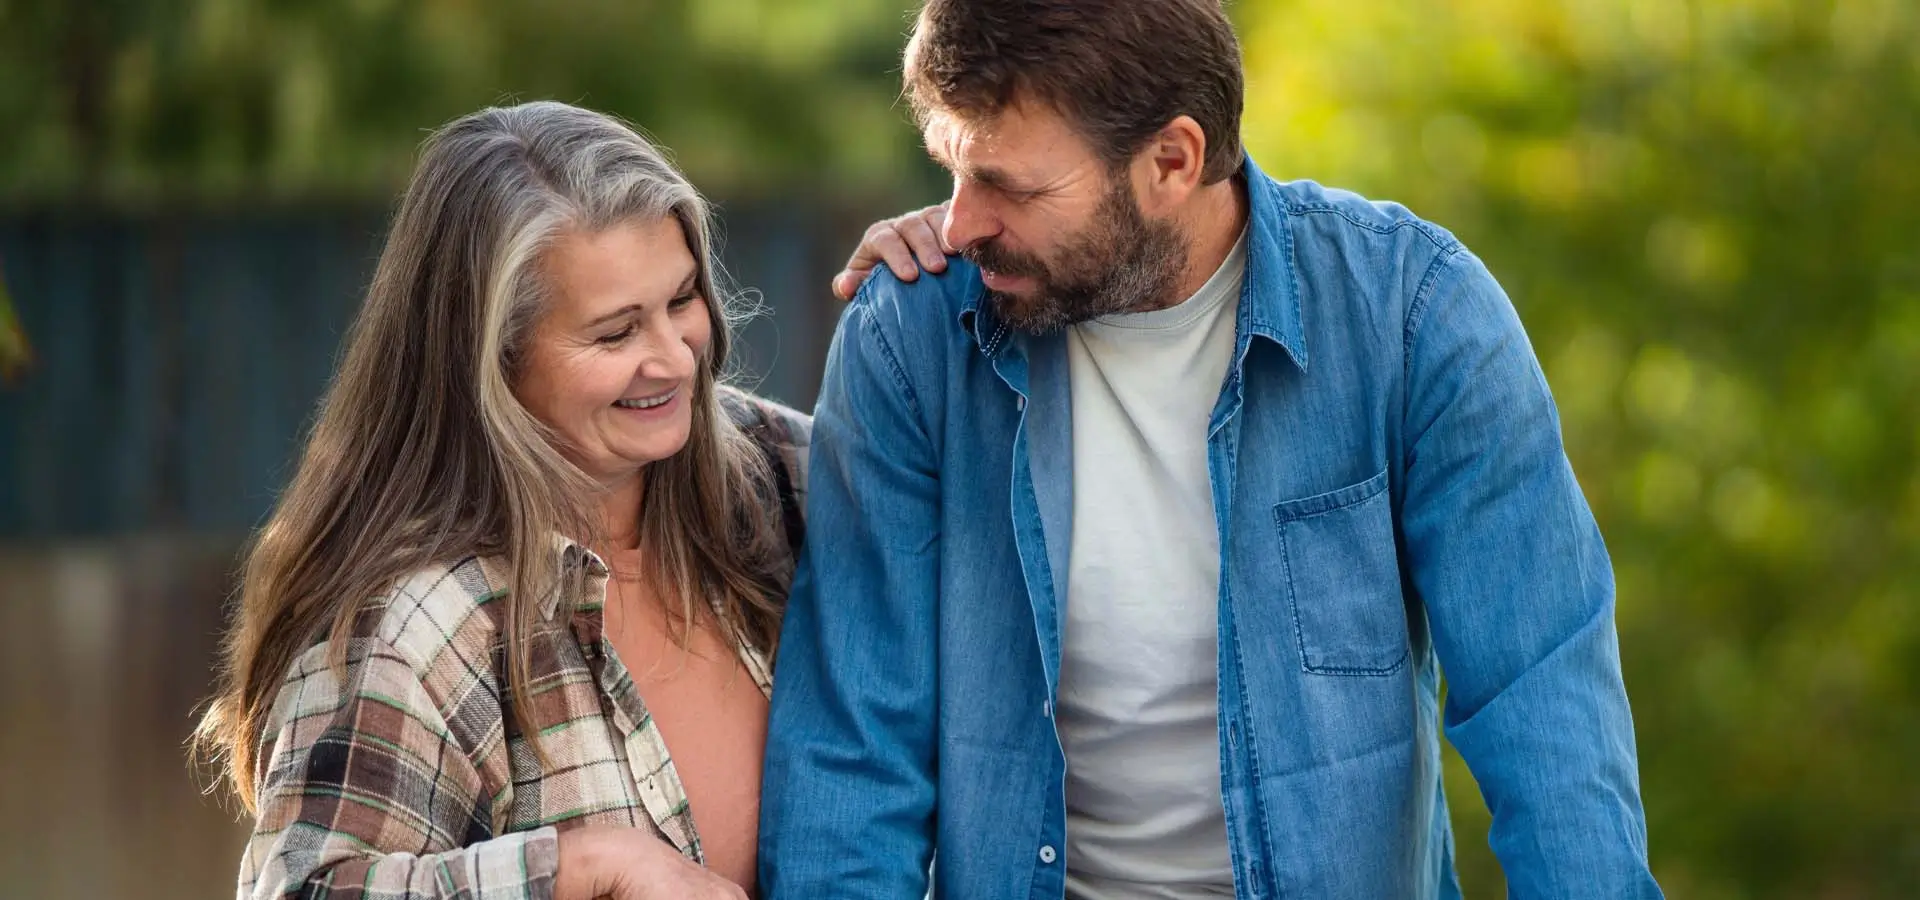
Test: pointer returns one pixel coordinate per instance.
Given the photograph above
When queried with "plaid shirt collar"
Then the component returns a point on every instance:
(589, 608)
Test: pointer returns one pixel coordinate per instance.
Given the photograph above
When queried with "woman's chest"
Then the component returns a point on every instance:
(639, 730)
(702, 700)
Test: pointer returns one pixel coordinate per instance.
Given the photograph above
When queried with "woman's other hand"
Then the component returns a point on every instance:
(631, 864)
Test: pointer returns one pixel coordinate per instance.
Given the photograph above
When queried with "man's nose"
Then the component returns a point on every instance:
(970, 217)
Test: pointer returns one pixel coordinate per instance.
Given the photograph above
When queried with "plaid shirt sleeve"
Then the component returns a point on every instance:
(369, 793)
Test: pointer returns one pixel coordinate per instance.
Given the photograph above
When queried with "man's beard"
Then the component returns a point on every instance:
(1120, 263)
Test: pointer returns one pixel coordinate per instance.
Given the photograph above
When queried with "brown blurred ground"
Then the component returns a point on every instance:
(105, 650)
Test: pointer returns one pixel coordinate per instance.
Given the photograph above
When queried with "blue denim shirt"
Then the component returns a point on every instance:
(1393, 501)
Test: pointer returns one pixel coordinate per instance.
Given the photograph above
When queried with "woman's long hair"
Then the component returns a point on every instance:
(421, 453)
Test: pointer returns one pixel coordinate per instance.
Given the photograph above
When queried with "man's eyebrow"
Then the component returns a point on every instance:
(998, 179)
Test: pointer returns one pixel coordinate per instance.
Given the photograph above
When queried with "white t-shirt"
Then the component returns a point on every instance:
(1139, 703)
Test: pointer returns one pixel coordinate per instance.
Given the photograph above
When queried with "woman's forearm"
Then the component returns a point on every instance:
(519, 866)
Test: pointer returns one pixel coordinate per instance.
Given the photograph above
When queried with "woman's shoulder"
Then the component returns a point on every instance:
(784, 437)
(428, 638)
(441, 604)
(440, 620)
(766, 419)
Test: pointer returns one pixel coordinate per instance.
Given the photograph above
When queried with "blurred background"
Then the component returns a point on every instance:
(1707, 212)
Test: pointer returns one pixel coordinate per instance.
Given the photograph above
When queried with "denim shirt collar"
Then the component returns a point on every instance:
(1270, 300)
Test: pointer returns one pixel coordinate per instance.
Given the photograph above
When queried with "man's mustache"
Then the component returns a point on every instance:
(995, 258)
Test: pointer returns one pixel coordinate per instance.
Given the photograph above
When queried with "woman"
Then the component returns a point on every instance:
(531, 545)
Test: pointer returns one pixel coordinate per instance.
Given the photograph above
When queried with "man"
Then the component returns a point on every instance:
(1139, 540)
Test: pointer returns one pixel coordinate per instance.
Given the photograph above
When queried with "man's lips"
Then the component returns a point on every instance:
(1001, 281)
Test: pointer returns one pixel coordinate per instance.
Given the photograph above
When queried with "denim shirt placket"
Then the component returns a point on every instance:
(1239, 761)
(1010, 361)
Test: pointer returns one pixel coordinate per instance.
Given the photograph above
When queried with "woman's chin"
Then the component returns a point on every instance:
(657, 447)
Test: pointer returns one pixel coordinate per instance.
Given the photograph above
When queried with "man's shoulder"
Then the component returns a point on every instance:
(932, 307)
(1312, 208)
(917, 327)
(1361, 267)
(1318, 206)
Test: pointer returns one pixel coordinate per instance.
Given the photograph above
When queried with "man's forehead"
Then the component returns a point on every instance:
(950, 136)
(1018, 135)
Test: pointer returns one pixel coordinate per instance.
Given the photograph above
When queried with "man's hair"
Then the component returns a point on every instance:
(1119, 70)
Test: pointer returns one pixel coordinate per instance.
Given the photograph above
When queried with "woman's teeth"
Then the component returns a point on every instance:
(647, 402)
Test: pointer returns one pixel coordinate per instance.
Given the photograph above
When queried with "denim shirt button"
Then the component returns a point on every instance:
(1019, 402)
(1047, 855)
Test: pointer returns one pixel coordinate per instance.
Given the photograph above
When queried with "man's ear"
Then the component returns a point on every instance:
(1169, 169)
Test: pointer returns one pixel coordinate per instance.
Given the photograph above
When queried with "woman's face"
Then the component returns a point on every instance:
(612, 360)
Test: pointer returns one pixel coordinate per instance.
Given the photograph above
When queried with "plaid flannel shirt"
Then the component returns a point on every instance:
(407, 779)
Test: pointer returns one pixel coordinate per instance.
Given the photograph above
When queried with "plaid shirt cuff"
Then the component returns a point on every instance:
(517, 866)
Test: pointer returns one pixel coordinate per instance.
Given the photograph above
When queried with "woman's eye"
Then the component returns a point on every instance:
(682, 301)
(617, 336)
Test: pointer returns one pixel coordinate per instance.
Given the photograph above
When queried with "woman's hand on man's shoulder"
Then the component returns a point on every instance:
(906, 243)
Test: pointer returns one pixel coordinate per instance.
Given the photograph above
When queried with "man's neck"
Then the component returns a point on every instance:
(1215, 218)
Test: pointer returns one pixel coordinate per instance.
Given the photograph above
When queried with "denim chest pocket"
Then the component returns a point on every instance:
(1343, 580)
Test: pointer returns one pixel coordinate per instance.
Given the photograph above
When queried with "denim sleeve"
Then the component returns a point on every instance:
(848, 793)
(1509, 562)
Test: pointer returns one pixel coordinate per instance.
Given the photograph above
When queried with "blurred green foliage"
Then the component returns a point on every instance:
(1707, 211)
(135, 101)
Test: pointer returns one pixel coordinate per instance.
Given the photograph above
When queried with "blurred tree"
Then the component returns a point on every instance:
(1708, 214)
(131, 100)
